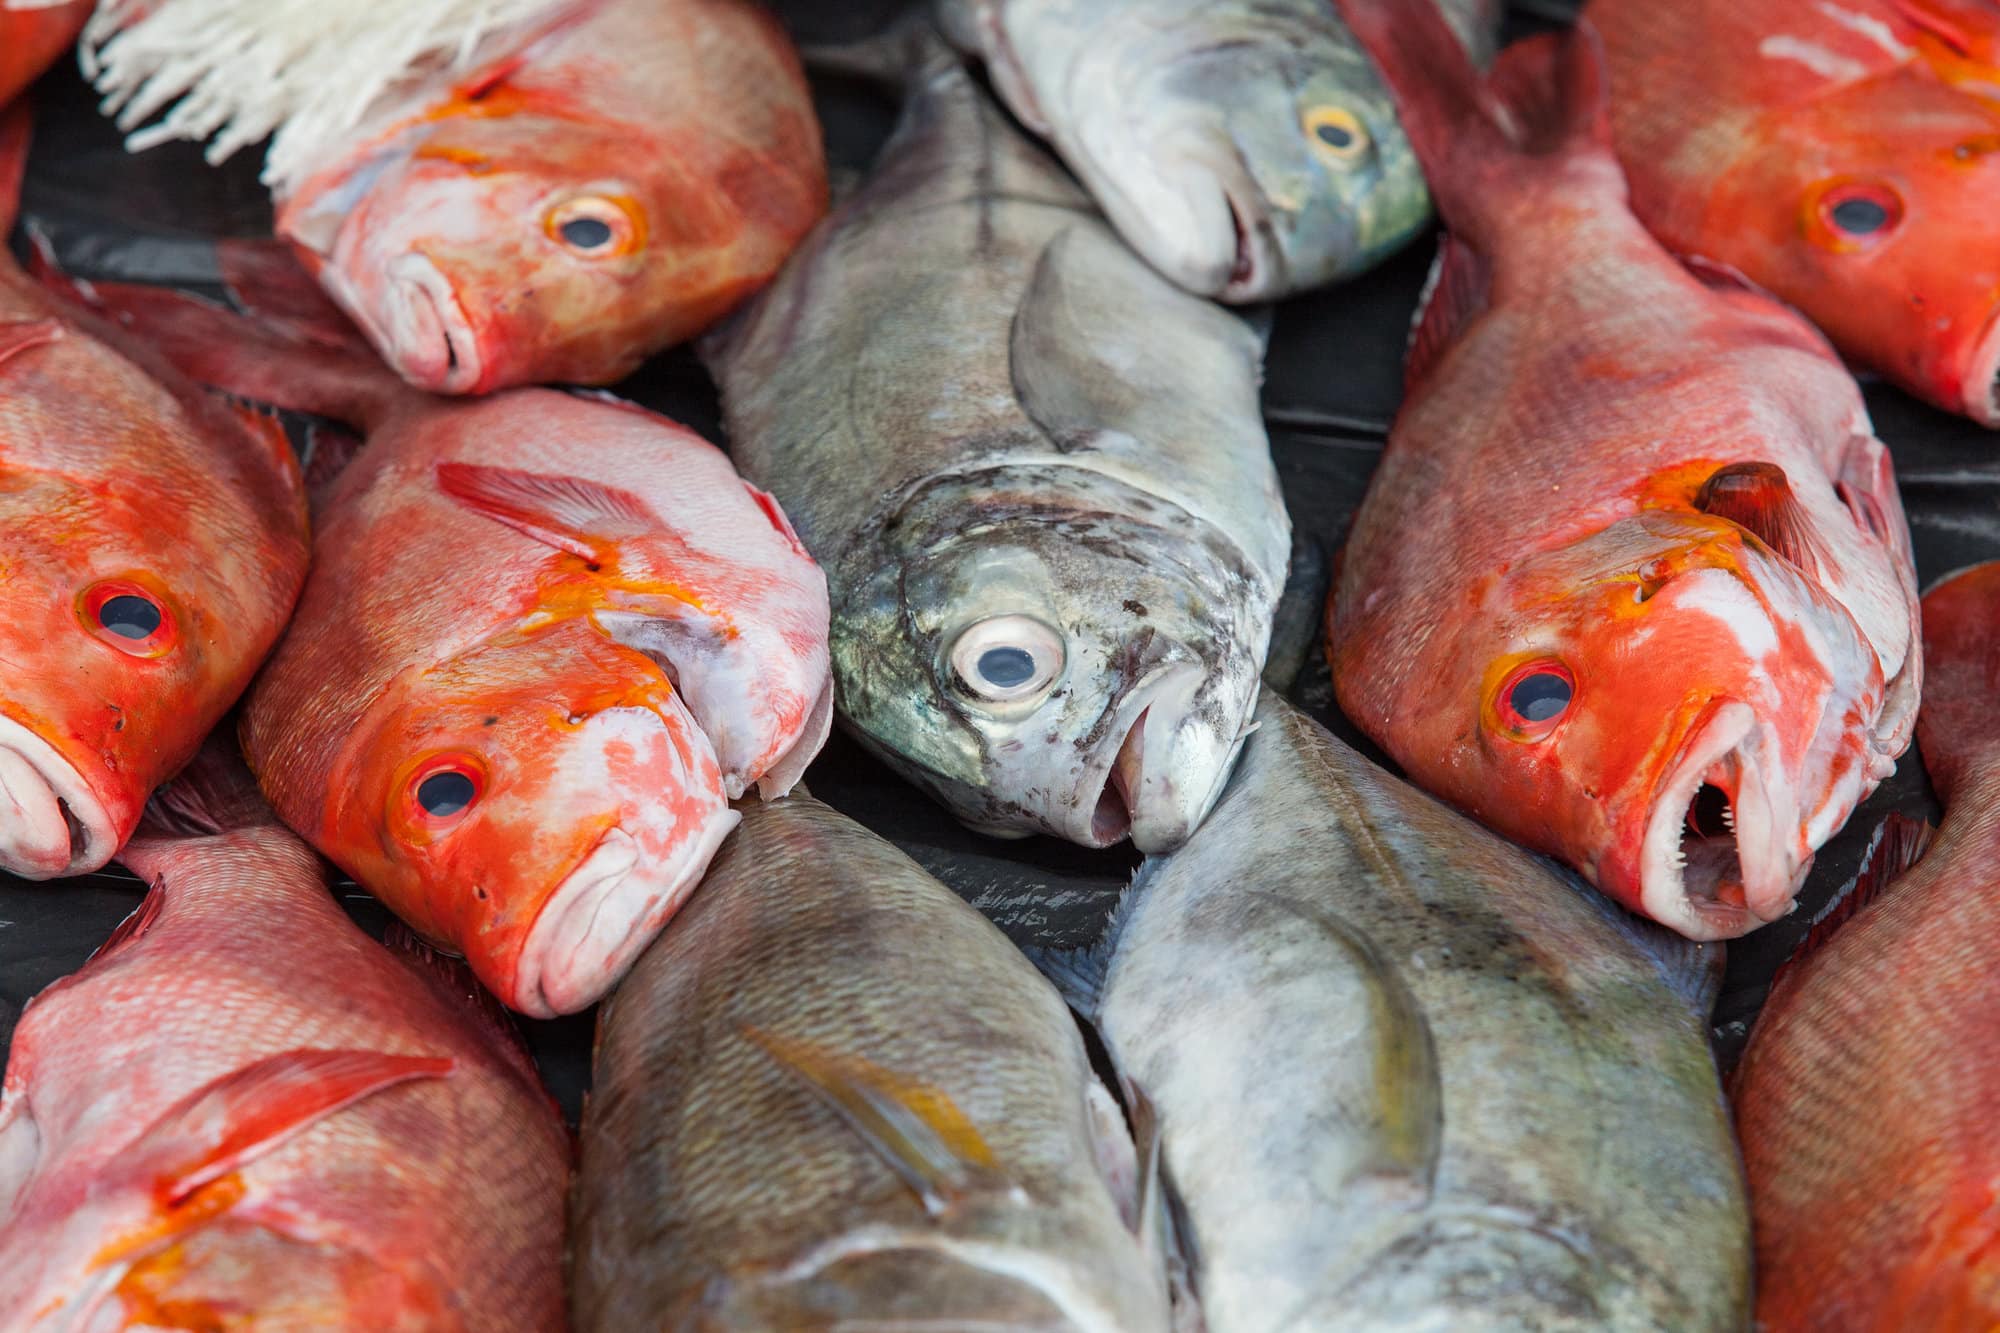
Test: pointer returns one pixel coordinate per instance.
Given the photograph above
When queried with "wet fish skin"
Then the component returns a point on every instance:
(31, 40)
(718, 1190)
(995, 427)
(133, 498)
(1199, 129)
(1646, 504)
(371, 1151)
(1408, 1077)
(1865, 1097)
(568, 613)
(1745, 127)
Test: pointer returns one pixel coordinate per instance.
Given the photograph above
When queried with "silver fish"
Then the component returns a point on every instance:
(1407, 1078)
(1036, 476)
(834, 1096)
(1247, 148)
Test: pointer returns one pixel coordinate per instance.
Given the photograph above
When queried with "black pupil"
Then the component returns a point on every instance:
(443, 794)
(1539, 697)
(1336, 136)
(1007, 667)
(129, 617)
(1860, 216)
(587, 233)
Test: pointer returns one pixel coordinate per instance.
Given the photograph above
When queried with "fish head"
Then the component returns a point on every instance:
(1666, 705)
(1066, 671)
(541, 805)
(487, 250)
(1871, 209)
(1249, 156)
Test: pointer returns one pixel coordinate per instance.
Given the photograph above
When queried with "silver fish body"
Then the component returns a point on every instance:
(1247, 148)
(834, 1096)
(1036, 475)
(1406, 1078)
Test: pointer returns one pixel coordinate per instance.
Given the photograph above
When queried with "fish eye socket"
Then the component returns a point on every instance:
(1860, 212)
(595, 226)
(1007, 659)
(1535, 696)
(128, 617)
(442, 790)
(1337, 134)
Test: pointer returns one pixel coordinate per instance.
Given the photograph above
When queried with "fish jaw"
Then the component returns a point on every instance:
(417, 323)
(1981, 378)
(1162, 775)
(51, 823)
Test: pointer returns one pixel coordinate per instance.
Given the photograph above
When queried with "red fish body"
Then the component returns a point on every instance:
(600, 179)
(1843, 155)
(548, 638)
(1867, 1097)
(152, 543)
(243, 1112)
(1633, 583)
(33, 39)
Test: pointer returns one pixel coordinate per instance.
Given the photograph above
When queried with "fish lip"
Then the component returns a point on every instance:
(602, 916)
(1981, 382)
(51, 823)
(1258, 271)
(1719, 750)
(1137, 795)
(1192, 174)
(427, 335)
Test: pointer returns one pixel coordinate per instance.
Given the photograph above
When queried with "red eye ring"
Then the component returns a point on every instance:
(1535, 697)
(440, 791)
(130, 617)
(1853, 215)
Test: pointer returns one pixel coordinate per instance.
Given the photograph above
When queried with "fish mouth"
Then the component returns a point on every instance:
(602, 916)
(1161, 778)
(1713, 865)
(1982, 379)
(425, 333)
(51, 824)
(1257, 271)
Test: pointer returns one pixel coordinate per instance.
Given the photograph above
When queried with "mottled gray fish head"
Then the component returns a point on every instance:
(1053, 650)
(1247, 151)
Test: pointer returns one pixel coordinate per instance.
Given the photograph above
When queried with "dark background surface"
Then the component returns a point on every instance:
(1333, 382)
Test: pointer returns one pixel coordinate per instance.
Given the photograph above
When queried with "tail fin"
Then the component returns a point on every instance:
(16, 129)
(1958, 729)
(213, 794)
(1547, 97)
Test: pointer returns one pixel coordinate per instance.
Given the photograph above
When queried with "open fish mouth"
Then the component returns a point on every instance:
(1164, 772)
(1714, 864)
(424, 331)
(51, 824)
(603, 915)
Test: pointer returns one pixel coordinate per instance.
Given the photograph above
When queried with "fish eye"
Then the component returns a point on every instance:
(128, 617)
(442, 789)
(1535, 696)
(1007, 659)
(1859, 212)
(1337, 134)
(595, 226)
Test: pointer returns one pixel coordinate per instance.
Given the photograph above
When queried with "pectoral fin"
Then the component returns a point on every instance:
(569, 513)
(1757, 497)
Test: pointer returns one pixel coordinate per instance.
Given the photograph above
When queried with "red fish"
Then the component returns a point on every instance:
(32, 36)
(243, 1112)
(1867, 1097)
(1844, 155)
(596, 180)
(547, 639)
(152, 543)
(1632, 584)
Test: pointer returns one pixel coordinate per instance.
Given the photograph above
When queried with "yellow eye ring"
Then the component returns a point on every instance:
(594, 226)
(1336, 134)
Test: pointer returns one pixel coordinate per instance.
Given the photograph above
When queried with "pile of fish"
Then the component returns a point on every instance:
(1631, 604)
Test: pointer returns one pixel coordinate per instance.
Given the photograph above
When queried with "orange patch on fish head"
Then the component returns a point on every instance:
(538, 246)
(538, 804)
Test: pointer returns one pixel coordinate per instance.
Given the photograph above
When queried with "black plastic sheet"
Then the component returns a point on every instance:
(1334, 379)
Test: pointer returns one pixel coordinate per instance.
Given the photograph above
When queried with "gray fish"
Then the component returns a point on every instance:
(1035, 473)
(834, 1096)
(1247, 148)
(1406, 1077)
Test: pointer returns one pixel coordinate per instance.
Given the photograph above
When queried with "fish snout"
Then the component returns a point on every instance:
(1981, 379)
(423, 331)
(50, 823)
(1723, 851)
(1199, 217)
(1162, 775)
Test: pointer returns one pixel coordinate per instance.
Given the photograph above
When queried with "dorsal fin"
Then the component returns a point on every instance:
(1458, 290)
(1899, 843)
(264, 278)
(454, 977)
(134, 927)
(213, 794)
(1757, 497)
(569, 513)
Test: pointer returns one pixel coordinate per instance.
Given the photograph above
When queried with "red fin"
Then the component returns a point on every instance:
(266, 281)
(134, 927)
(1556, 90)
(568, 513)
(1971, 28)
(456, 978)
(1899, 843)
(1457, 292)
(243, 1115)
(213, 794)
(21, 336)
(17, 129)
(773, 511)
(1757, 498)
